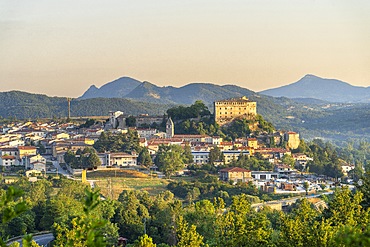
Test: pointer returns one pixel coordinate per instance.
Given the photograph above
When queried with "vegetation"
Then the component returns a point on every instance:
(85, 159)
(109, 142)
(209, 212)
(172, 158)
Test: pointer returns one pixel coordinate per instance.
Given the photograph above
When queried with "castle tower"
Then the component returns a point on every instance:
(170, 128)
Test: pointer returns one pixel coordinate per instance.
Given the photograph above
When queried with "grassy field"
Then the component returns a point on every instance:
(112, 182)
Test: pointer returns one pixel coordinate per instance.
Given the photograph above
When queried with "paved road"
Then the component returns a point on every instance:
(42, 240)
(60, 169)
(68, 175)
(289, 200)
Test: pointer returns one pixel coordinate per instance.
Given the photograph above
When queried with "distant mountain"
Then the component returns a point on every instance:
(331, 90)
(116, 89)
(310, 120)
(129, 88)
(187, 94)
(310, 101)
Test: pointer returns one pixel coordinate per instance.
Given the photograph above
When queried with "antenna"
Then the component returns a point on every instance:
(69, 107)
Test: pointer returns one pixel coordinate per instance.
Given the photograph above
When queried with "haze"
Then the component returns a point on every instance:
(62, 47)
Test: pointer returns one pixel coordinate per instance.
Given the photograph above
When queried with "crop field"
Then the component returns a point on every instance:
(112, 182)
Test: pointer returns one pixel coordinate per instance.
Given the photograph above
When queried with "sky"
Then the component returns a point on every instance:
(60, 48)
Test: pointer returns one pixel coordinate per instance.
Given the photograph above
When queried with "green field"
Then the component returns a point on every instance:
(112, 182)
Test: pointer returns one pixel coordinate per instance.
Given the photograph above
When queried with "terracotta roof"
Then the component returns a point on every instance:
(10, 157)
(13, 149)
(26, 147)
(190, 136)
(234, 169)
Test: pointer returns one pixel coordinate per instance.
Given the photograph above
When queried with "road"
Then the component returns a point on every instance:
(60, 169)
(289, 200)
(42, 240)
(67, 174)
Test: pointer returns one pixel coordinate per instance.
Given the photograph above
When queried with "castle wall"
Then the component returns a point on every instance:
(227, 110)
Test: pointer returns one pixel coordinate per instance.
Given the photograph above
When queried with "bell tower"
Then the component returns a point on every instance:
(170, 128)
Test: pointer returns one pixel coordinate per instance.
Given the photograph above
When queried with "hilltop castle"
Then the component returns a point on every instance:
(229, 109)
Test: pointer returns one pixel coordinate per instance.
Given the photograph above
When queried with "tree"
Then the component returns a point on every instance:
(215, 154)
(345, 209)
(144, 158)
(187, 235)
(203, 216)
(91, 161)
(230, 227)
(144, 241)
(363, 186)
(237, 128)
(131, 121)
(306, 185)
(301, 218)
(12, 206)
(170, 159)
(41, 148)
(288, 159)
(130, 214)
(89, 122)
(188, 157)
(84, 230)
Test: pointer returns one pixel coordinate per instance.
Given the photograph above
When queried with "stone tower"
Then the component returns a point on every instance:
(170, 128)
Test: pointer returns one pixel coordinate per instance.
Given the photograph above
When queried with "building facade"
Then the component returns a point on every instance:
(227, 110)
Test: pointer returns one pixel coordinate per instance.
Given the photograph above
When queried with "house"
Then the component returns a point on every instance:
(288, 186)
(195, 138)
(146, 133)
(200, 157)
(252, 142)
(347, 168)
(9, 151)
(270, 153)
(230, 155)
(283, 169)
(301, 159)
(235, 174)
(120, 159)
(36, 162)
(24, 151)
(216, 140)
(60, 148)
(264, 175)
(226, 145)
(58, 136)
(155, 143)
(9, 160)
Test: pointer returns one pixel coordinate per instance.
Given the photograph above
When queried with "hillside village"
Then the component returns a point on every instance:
(27, 146)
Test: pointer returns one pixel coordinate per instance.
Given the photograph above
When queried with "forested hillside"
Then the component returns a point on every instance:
(328, 121)
(23, 105)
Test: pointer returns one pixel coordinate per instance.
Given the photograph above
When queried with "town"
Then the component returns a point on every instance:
(180, 163)
(38, 148)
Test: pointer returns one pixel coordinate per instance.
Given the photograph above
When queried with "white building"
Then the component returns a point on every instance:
(118, 159)
(200, 157)
(146, 133)
(265, 175)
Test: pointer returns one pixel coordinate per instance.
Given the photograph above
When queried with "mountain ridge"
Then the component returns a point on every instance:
(118, 88)
(331, 90)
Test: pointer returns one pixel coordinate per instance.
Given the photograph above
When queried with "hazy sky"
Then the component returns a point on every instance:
(61, 47)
